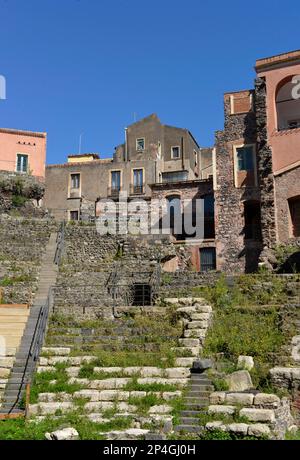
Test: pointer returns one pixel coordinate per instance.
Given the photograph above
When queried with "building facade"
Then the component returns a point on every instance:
(23, 152)
(257, 166)
(249, 181)
(152, 153)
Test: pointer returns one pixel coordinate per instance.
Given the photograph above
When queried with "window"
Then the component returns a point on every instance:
(294, 205)
(207, 259)
(175, 152)
(22, 163)
(245, 166)
(245, 158)
(196, 157)
(175, 176)
(252, 219)
(138, 180)
(116, 180)
(140, 144)
(159, 150)
(74, 215)
(288, 108)
(75, 181)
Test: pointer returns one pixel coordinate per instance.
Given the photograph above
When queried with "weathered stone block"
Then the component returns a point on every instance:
(259, 430)
(161, 409)
(56, 351)
(262, 399)
(189, 342)
(218, 397)
(245, 362)
(197, 325)
(258, 415)
(245, 399)
(238, 428)
(221, 409)
(239, 381)
(177, 373)
(66, 434)
(184, 362)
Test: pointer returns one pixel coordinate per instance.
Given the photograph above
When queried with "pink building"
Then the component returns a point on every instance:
(281, 74)
(23, 152)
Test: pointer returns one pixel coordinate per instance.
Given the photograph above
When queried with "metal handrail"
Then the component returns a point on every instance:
(35, 346)
(60, 240)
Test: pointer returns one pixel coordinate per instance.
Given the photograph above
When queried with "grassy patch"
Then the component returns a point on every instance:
(41, 383)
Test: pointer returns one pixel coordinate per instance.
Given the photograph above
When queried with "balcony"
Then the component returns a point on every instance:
(113, 192)
(137, 189)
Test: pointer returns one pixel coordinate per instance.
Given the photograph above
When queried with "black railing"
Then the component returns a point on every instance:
(60, 244)
(35, 348)
(137, 189)
(113, 192)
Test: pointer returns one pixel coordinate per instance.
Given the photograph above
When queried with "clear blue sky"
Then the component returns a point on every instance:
(75, 66)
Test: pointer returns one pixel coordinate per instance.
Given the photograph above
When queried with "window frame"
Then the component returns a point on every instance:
(235, 162)
(74, 190)
(70, 212)
(138, 149)
(179, 152)
(110, 178)
(23, 155)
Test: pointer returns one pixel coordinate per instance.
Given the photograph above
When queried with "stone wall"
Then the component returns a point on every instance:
(234, 252)
(287, 185)
(265, 166)
(90, 259)
(22, 244)
(21, 192)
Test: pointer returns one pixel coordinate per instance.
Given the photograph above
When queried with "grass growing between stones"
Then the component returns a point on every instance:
(163, 359)
(35, 430)
(155, 387)
(247, 322)
(42, 383)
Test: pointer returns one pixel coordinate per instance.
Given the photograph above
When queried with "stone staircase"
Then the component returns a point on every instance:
(21, 371)
(13, 319)
(196, 403)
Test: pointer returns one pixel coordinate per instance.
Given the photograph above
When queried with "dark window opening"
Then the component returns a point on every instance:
(252, 217)
(141, 294)
(294, 205)
(207, 259)
(74, 215)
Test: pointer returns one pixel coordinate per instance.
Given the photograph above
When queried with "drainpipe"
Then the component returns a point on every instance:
(126, 145)
(182, 152)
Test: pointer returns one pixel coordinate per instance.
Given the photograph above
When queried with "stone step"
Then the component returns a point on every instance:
(188, 428)
(195, 406)
(189, 421)
(197, 387)
(201, 400)
(199, 394)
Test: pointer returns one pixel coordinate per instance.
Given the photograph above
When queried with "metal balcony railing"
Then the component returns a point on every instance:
(137, 189)
(113, 192)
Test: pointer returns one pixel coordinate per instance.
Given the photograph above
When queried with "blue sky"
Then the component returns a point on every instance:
(74, 66)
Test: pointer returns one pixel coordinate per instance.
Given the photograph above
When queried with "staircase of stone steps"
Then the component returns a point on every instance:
(196, 402)
(34, 328)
